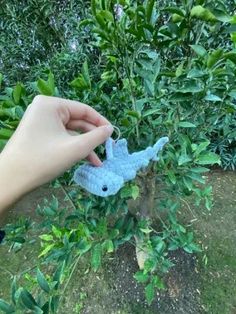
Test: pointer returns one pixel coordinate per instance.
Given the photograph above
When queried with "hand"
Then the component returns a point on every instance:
(45, 144)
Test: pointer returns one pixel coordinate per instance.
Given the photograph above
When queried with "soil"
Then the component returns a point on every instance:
(197, 284)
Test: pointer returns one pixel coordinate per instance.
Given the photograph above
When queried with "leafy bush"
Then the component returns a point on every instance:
(163, 69)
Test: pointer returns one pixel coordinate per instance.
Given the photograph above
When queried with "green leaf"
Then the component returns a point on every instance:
(201, 147)
(85, 73)
(107, 15)
(188, 183)
(214, 57)
(149, 293)
(1, 79)
(42, 281)
(44, 88)
(94, 7)
(146, 230)
(190, 248)
(100, 20)
(231, 56)
(222, 16)
(6, 307)
(17, 93)
(196, 176)
(6, 133)
(149, 87)
(176, 18)
(158, 283)
(133, 113)
(85, 23)
(51, 83)
(57, 232)
(140, 103)
(54, 303)
(202, 14)
(185, 124)
(13, 290)
(46, 237)
(96, 256)
(150, 112)
(125, 122)
(183, 159)
(149, 9)
(196, 73)
(79, 83)
(2, 144)
(191, 87)
(171, 176)
(150, 265)
(174, 10)
(179, 69)
(201, 51)
(199, 169)
(130, 191)
(208, 159)
(47, 249)
(58, 274)
(27, 299)
(109, 246)
(134, 191)
(212, 97)
(38, 310)
(141, 277)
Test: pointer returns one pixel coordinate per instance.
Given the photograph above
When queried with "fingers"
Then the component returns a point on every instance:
(85, 127)
(80, 125)
(93, 158)
(82, 145)
(80, 111)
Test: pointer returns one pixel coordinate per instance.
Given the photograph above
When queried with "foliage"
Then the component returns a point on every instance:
(163, 69)
(42, 34)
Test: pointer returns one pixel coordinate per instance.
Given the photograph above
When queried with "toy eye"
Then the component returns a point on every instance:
(104, 188)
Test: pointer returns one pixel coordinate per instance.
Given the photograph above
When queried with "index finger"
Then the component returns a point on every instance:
(80, 111)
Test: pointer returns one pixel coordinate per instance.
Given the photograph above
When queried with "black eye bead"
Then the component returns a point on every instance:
(104, 188)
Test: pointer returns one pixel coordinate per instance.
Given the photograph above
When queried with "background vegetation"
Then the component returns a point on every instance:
(153, 68)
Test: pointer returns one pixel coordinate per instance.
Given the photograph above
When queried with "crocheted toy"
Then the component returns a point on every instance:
(118, 168)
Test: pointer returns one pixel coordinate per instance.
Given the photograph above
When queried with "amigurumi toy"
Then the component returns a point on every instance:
(118, 168)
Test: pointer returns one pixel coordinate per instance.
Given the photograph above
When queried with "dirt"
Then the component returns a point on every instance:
(197, 284)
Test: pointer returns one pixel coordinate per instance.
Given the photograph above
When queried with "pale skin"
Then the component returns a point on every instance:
(45, 145)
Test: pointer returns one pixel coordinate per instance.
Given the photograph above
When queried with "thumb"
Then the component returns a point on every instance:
(84, 144)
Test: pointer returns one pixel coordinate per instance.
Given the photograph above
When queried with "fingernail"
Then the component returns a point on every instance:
(110, 128)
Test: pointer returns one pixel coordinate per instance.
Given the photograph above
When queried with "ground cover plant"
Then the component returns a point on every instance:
(153, 69)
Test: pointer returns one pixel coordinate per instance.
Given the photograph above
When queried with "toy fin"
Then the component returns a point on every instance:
(120, 149)
(109, 148)
(159, 146)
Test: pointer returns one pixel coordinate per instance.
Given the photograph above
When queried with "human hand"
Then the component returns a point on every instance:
(45, 143)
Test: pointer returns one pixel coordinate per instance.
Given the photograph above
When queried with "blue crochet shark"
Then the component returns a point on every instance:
(118, 168)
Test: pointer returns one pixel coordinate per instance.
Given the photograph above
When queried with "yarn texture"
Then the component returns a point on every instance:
(118, 168)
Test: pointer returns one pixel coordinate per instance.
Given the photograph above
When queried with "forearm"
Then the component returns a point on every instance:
(12, 181)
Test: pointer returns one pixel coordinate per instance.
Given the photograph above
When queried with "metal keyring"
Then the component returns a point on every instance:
(118, 131)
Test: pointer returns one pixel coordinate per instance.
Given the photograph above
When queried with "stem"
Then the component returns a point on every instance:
(189, 208)
(67, 196)
(148, 188)
(69, 279)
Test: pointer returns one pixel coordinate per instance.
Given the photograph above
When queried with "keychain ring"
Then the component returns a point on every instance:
(118, 132)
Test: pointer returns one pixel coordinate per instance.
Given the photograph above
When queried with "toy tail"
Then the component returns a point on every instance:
(159, 146)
